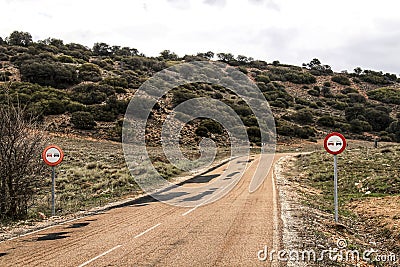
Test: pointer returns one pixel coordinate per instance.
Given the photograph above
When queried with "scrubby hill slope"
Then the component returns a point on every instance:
(85, 91)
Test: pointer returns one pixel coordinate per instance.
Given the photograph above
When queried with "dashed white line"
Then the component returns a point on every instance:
(192, 209)
(148, 230)
(101, 255)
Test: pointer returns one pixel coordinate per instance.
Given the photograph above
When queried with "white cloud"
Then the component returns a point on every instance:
(344, 34)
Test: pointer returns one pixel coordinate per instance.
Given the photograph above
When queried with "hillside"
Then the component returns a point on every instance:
(78, 90)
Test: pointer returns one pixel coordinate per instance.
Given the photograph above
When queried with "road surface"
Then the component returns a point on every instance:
(228, 232)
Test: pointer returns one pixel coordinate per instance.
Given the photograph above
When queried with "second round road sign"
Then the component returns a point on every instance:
(335, 143)
(52, 155)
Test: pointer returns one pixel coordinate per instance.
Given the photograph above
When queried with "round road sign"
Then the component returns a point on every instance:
(52, 155)
(335, 143)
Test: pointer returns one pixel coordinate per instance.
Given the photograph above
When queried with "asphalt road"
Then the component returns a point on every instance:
(227, 232)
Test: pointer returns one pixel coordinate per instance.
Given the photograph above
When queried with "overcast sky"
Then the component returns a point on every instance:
(342, 33)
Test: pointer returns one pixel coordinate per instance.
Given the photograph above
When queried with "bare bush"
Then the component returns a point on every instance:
(21, 143)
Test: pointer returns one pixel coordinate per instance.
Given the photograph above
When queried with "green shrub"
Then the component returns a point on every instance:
(359, 126)
(182, 95)
(90, 94)
(263, 78)
(303, 116)
(116, 82)
(387, 95)
(326, 120)
(348, 90)
(212, 126)
(254, 134)
(201, 131)
(327, 84)
(313, 92)
(356, 98)
(379, 120)
(83, 120)
(280, 103)
(394, 128)
(89, 72)
(48, 73)
(341, 79)
(65, 59)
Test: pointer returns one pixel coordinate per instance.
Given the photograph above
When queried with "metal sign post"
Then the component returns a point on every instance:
(336, 189)
(53, 191)
(335, 143)
(52, 156)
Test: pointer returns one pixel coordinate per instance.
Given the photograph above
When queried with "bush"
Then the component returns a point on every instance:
(201, 131)
(327, 84)
(21, 171)
(263, 78)
(356, 98)
(340, 79)
(394, 128)
(212, 126)
(386, 95)
(49, 73)
(379, 120)
(280, 103)
(90, 94)
(313, 92)
(182, 95)
(377, 78)
(83, 120)
(326, 120)
(254, 134)
(116, 82)
(304, 116)
(359, 126)
(348, 90)
(89, 72)
(296, 131)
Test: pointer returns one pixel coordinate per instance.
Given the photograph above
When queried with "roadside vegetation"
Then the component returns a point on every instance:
(369, 193)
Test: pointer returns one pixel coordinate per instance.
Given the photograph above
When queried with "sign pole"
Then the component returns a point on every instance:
(336, 189)
(52, 156)
(53, 190)
(334, 144)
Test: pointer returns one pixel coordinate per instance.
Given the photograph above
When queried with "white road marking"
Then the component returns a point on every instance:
(192, 209)
(148, 230)
(101, 255)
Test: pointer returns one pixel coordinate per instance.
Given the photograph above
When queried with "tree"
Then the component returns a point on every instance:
(20, 38)
(317, 68)
(358, 71)
(226, 57)
(101, 49)
(2, 41)
(52, 41)
(168, 55)
(21, 144)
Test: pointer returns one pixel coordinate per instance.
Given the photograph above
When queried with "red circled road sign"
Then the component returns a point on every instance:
(335, 143)
(52, 155)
